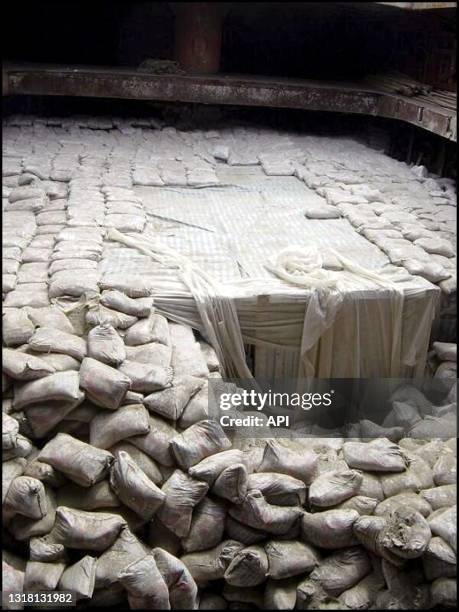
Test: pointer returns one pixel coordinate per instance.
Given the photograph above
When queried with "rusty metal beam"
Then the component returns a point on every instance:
(234, 90)
(420, 6)
(431, 118)
(354, 98)
(198, 36)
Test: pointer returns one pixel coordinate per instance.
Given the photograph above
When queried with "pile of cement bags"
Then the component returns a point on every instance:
(443, 360)
(118, 487)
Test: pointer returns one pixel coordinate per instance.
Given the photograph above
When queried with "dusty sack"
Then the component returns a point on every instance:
(290, 558)
(207, 526)
(134, 488)
(49, 340)
(333, 487)
(377, 456)
(80, 462)
(86, 530)
(198, 442)
(183, 592)
(257, 513)
(249, 567)
(277, 458)
(61, 386)
(146, 378)
(143, 581)
(24, 367)
(105, 345)
(182, 495)
(329, 529)
(79, 578)
(104, 385)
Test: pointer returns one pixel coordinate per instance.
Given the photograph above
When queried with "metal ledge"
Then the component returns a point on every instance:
(420, 6)
(356, 98)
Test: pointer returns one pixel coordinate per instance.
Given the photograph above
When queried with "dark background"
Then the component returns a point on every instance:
(317, 40)
(323, 40)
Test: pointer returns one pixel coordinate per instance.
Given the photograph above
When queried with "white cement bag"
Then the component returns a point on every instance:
(109, 427)
(17, 327)
(134, 488)
(116, 300)
(105, 345)
(86, 530)
(198, 442)
(182, 495)
(329, 529)
(62, 387)
(24, 367)
(49, 340)
(80, 462)
(104, 385)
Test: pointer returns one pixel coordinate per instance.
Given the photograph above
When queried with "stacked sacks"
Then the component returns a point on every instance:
(77, 249)
(405, 211)
(155, 515)
(11, 170)
(31, 264)
(18, 230)
(413, 414)
(118, 455)
(359, 530)
(27, 198)
(412, 229)
(65, 161)
(279, 161)
(172, 172)
(124, 209)
(179, 158)
(44, 368)
(73, 270)
(146, 176)
(118, 169)
(199, 173)
(86, 205)
(132, 494)
(145, 170)
(444, 359)
(408, 214)
(118, 486)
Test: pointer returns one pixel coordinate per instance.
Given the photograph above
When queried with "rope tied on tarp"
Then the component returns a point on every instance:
(298, 265)
(216, 308)
(304, 267)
